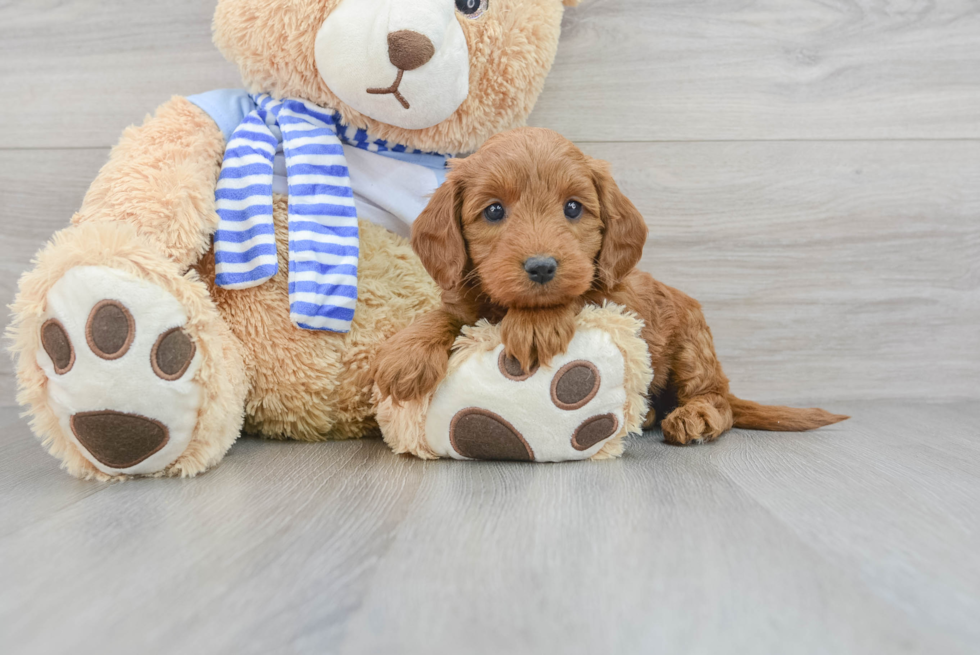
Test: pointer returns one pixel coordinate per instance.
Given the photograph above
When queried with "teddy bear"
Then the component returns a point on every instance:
(242, 255)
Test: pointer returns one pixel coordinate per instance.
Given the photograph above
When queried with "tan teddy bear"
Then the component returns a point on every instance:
(198, 291)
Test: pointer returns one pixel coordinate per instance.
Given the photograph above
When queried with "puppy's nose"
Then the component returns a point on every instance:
(409, 50)
(541, 269)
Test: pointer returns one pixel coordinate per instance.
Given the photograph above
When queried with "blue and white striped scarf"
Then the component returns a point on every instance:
(323, 232)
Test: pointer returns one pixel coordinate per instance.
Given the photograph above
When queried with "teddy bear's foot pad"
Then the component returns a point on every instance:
(580, 406)
(120, 370)
(566, 411)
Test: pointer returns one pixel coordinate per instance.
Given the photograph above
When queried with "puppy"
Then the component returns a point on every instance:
(524, 233)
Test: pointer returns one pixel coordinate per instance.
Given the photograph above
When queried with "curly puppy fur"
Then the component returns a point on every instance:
(481, 266)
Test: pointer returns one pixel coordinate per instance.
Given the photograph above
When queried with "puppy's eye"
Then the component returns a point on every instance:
(494, 213)
(472, 8)
(573, 210)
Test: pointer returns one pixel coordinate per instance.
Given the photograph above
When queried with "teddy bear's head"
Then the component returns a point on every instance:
(440, 75)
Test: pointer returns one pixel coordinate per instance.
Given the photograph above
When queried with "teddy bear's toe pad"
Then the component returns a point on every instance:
(110, 329)
(575, 385)
(172, 355)
(57, 345)
(595, 430)
(121, 370)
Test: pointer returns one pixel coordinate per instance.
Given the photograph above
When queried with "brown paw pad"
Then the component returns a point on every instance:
(595, 430)
(511, 368)
(110, 330)
(575, 385)
(172, 354)
(56, 343)
(118, 440)
(481, 434)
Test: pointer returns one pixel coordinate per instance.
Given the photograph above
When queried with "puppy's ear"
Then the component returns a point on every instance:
(571, 3)
(624, 233)
(437, 236)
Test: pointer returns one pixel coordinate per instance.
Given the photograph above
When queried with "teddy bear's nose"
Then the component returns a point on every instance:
(409, 50)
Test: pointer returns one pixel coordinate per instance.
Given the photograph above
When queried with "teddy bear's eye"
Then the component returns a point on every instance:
(472, 8)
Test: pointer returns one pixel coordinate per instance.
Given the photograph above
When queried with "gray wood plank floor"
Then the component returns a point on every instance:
(809, 171)
(859, 539)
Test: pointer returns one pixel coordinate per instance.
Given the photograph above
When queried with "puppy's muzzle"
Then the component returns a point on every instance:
(541, 270)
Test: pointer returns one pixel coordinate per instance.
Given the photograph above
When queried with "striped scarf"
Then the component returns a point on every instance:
(323, 232)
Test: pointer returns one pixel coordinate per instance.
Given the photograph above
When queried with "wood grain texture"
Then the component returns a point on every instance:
(628, 69)
(33, 488)
(39, 192)
(643, 70)
(856, 539)
(82, 70)
(826, 270)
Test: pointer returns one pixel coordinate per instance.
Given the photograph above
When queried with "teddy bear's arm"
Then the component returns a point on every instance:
(161, 178)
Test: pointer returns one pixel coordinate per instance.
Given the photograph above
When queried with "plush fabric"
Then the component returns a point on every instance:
(483, 411)
(160, 178)
(120, 441)
(323, 243)
(421, 46)
(114, 257)
(315, 386)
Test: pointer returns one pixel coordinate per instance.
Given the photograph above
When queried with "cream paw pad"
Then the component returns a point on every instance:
(121, 370)
(579, 407)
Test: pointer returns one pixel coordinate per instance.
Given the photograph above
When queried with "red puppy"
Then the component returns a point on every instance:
(524, 233)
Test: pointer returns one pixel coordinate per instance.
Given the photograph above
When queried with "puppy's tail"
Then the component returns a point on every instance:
(753, 416)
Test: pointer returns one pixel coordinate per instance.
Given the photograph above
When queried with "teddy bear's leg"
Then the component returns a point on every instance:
(124, 361)
(161, 178)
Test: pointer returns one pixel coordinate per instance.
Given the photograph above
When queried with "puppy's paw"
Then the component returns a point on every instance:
(537, 336)
(698, 420)
(407, 372)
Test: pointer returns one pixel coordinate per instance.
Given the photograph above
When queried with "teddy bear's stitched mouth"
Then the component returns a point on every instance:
(393, 90)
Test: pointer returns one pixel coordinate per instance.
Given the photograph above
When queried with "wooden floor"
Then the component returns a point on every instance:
(810, 170)
(862, 538)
